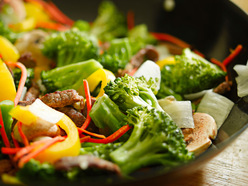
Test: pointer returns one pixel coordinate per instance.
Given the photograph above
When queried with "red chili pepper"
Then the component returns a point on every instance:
(88, 103)
(23, 136)
(233, 54)
(113, 137)
(22, 80)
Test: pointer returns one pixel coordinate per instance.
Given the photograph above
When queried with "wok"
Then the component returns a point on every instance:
(211, 26)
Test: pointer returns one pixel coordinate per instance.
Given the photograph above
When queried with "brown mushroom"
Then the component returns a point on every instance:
(37, 129)
(199, 138)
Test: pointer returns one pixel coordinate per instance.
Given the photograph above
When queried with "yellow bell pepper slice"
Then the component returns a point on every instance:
(167, 61)
(101, 75)
(8, 90)
(7, 50)
(40, 112)
(25, 25)
(69, 147)
(36, 11)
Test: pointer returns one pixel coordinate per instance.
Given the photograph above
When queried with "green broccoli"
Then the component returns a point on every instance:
(7, 33)
(117, 56)
(81, 25)
(128, 92)
(155, 140)
(34, 172)
(106, 115)
(140, 37)
(110, 23)
(17, 76)
(191, 74)
(99, 150)
(68, 77)
(71, 46)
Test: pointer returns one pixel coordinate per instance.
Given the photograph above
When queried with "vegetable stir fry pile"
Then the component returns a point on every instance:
(108, 98)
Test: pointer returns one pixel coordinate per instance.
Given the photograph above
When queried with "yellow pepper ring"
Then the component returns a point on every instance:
(69, 147)
(101, 75)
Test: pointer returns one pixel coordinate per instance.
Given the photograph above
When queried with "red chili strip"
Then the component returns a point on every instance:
(16, 144)
(3, 132)
(88, 103)
(84, 139)
(33, 154)
(221, 65)
(22, 80)
(51, 26)
(23, 136)
(8, 150)
(233, 54)
(130, 20)
(91, 133)
(113, 137)
(170, 38)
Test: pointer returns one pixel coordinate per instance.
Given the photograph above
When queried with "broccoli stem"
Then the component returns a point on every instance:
(106, 114)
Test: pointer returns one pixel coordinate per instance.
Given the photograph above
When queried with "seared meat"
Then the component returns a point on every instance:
(31, 95)
(77, 117)
(62, 98)
(28, 60)
(223, 87)
(145, 53)
(84, 162)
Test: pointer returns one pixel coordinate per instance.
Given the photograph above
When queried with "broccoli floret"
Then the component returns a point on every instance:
(71, 46)
(99, 150)
(7, 33)
(68, 77)
(191, 74)
(117, 56)
(106, 115)
(128, 92)
(110, 23)
(34, 172)
(17, 76)
(155, 140)
(81, 25)
(140, 37)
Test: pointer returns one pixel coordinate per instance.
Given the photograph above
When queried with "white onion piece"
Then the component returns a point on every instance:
(179, 111)
(215, 105)
(242, 79)
(149, 69)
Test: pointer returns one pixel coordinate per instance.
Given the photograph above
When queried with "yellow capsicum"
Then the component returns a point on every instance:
(167, 61)
(8, 90)
(7, 50)
(101, 75)
(39, 112)
(36, 11)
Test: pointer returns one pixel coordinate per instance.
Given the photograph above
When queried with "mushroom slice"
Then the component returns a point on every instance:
(85, 162)
(199, 138)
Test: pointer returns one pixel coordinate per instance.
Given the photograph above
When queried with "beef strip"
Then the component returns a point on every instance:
(77, 117)
(223, 87)
(31, 95)
(62, 98)
(27, 59)
(84, 162)
(149, 52)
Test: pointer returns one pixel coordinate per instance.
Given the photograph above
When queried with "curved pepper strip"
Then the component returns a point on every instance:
(69, 147)
(101, 75)
(39, 112)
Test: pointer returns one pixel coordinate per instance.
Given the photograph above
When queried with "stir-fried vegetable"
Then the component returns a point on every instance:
(99, 88)
(69, 47)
